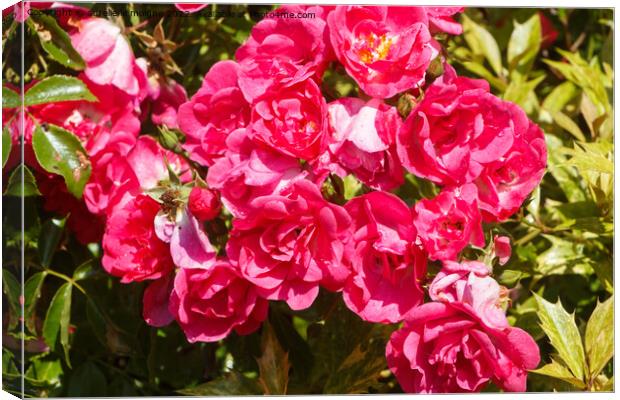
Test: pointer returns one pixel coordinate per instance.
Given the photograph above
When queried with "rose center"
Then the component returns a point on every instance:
(372, 47)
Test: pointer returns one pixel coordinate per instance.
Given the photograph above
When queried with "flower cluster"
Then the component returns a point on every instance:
(216, 247)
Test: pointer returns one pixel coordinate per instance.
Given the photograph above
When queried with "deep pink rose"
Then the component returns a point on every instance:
(282, 52)
(449, 222)
(249, 171)
(209, 304)
(461, 340)
(469, 282)
(155, 302)
(441, 19)
(388, 267)
(190, 7)
(213, 113)
(108, 56)
(363, 141)
(291, 243)
(502, 249)
(166, 97)
(385, 49)
(204, 203)
(504, 184)
(458, 129)
(292, 120)
(131, 248)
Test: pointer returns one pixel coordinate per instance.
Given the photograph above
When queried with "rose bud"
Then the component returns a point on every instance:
(204, 203)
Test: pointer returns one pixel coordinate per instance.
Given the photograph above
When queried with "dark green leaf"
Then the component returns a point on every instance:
(50, 236)
(7, 144)
(15, 188)
(10, 98)
(273, 363)
(32, 292)
(599, 339)
(60, 152)
(12, 290)
(85, 270)
(55, 41)
(87, 380)
(57, 88)
(231, 384)
(58, 318)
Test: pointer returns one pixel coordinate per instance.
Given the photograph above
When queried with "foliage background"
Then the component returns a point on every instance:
(84, 331)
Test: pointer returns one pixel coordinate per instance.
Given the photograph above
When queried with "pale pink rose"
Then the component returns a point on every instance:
(189, 244)
(155, 302)
(502, 249)
(504, 184)
(292, 120)
(209, 304)
(292, 243)
(457, 129)
(387, 266)
(282, 52)
(441, 19)
(363, 142)
(131, 248)
(249, 171)
(449, 222)
(108, 56)
(213, 113)
(385, 49)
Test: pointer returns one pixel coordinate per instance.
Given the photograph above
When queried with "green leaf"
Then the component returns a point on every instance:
(15, 188)
(57, 319)
(568, 179)
(10, 98)
(273, 364)
(32, 293)
(566, 123)
(12, 289)
(593, 157)
(231, 384)
(561, 95)
(85, 270)
(557, 370)
(599, 337)
(482, 42)
(564, 335)
(7, 143)
(57, 88)
(519, 91)
(524, 44)
(60, 152)
(55, 41)
(44, 371)
(51, 233)
(87, 380)
(563, 257)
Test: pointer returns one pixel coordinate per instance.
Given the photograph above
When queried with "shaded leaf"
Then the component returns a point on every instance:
(12, 289)
(563, 257)
(599, 338)
(57, 88)
(58, 318)
(32, 293)
(60, 152)
(7, 144)
(51, 233)
(87, 380)
(231, 384)
(273, 364)
(15, 187)
(560, 328)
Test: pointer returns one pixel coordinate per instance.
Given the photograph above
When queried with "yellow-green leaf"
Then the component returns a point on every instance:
(599, 338)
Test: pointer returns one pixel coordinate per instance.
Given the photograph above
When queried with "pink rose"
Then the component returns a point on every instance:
(457, 129)
(440, 19)
(385, 49)
(504, 184)
(548, 32)
(249, 171)
(502, 249)
(155, 302)
(282, 52)
(213, 113)
(388, 267)
(291, 243)
(449, 222)
(363, 141)
(131, 248)
(166, 98)
(189, 244)
(190, 7)
(204, 203)
(209, 304)
(292, 120)
(108, 56)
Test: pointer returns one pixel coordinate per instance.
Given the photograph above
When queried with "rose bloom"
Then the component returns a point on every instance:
(213, 113)
(363, 142)
(292, 243)
(461, 340)
(388, 267)
(504, 184)
(292, 120)
(441, 19)
(385, 49)
(131, 248)
(155, 301)
(282, 52)
(166, 96)
(250, 170)
(449, 222)
(209, 304)
(502, 249)
(457, 129)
